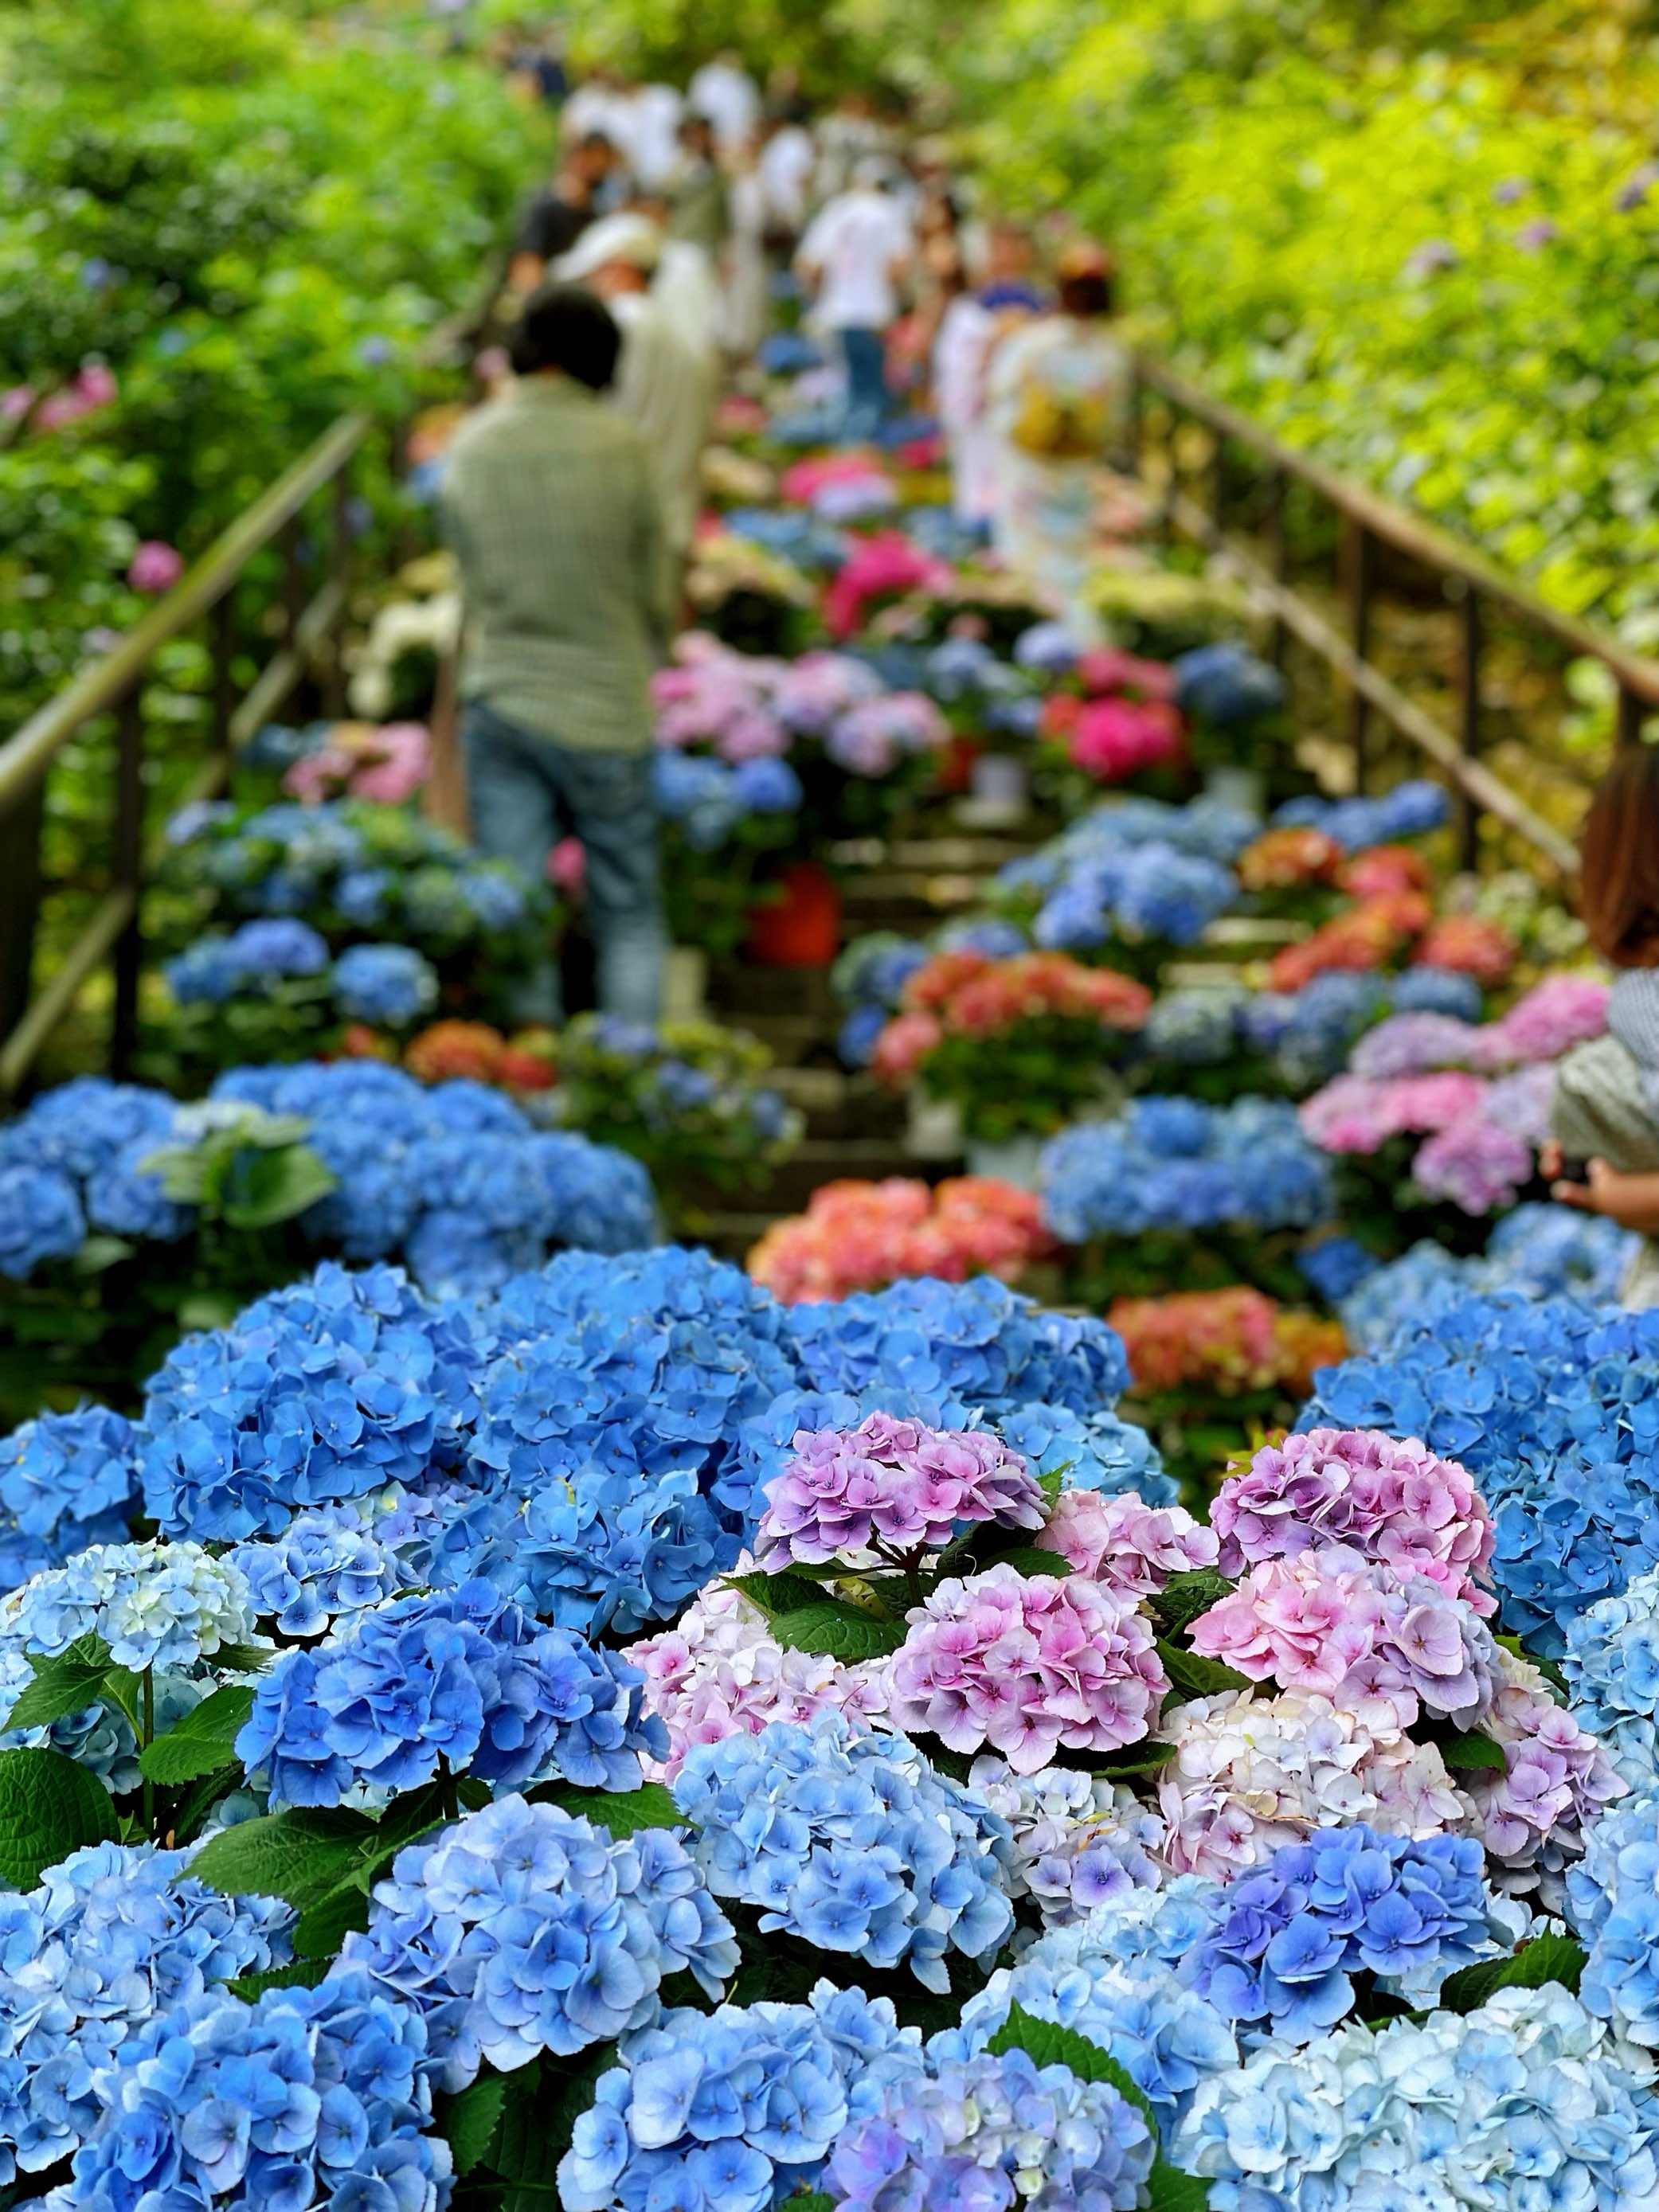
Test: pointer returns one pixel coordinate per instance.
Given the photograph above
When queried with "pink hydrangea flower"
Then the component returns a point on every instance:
(1358, 1113)
(1330, 1623)
(1411, 1044)
(1555, 1015)
(1391, 1501)
(1125, 1543)
(1475, 1164)
(890, 1486)
(1556, 1777)
(1111, 738)
(719, 1672)
(1024, 1665)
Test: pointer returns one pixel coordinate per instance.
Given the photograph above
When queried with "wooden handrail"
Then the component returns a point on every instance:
(1409, 533)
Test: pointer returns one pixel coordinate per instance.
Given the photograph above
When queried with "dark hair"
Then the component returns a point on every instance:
(1086, 294)
(565, 327)
(1619, 861)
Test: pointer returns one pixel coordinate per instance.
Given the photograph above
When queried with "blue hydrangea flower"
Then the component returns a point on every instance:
(1165, 2036)
(1436, 991)
(155, 1605)
(391, 984)
(1337, 1268)
(766, 786)
(70, 1480)
(323, 1392)
(324, 1564)
(319, 2096)
(737, 2109)
(1542, 1251)
(1173, 1163)
(1611, 1664)
(1306, 1035)
(216, 969)
(522, 1929)
(112, 1938)
(1226, 685)
(495, 894)
(1522, 2100)
(1280, 1943)
(40, 1218)
(977, 1341)
(1410, 810)
(460, 1677)
(1552, 1405)
(851, 1842)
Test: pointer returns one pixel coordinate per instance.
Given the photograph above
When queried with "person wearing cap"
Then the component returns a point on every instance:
(550, 507)
(856, 253)
(1057, 404)
(664, 385)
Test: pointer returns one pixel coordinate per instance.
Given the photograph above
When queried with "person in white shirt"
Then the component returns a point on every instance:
(787, 161)
(663, 383)
(654, 146)
(724, 91)
(856, 253)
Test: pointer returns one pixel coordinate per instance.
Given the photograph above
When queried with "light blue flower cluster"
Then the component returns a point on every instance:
(1136, 870)
(352, 866)
(1613, 1899)
(70, 1163)
(1412, 808)
(1280, 1944)
(522, 1929)
(732, 2111)
(66, 1480)
(310, 2097)
(977, 1341)
(993, 2132)
(1166, 2036)
(461, 1677)
(112, 1937)
(851, 1843)
(709, 799)
(1520, 2099)
(1611, 1664)
(1541, 1251)
(248, 961)
(323, 1392)
(323, 1565)
(454, 1176)
(1552, 1405)
(1305, 1036)
(1226, 685)
(794, 533)
(1174, 1164)
(156, 1605)
(390, 984)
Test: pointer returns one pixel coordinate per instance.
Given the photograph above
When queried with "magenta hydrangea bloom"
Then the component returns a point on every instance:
(1125, 1543)
(1476, 1164)
(890, 1486)
(1330, 1623)
(1024, 1665)
(1555, 1015)
(1391, 1501)
(1557, 1777)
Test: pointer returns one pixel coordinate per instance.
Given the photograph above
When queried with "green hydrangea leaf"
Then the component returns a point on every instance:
(468, 2122)
(202, 1742)
(838, 1632)
(49, 1807)
(623, 1812)
(67, 1684)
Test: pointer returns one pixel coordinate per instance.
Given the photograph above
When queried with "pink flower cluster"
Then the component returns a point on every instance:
(890, 1486)
(1390, 1501)
(719, 698)
(886, 565)
(862, 1236)
(1556, 1777)
(719, 1672)
(388, 764)
(1329, 1623)
(970, 994)
(803, 480)
(872, 738)
(1430, 1074)
(1125, 1543)
(1024, 1665)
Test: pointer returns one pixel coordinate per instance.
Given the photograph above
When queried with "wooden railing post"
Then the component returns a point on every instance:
(1468, 814)
(1632, 712)
(128, 874)
(339, 570)
(1278, 559)
(1360, 548)
(222, 631)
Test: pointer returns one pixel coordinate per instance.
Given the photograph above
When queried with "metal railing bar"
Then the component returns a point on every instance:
(1423, 731)
(101, 685)
(1407, 532)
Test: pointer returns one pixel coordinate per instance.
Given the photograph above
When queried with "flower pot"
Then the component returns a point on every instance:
(802, 927)
(932, 1127)
(1015, 1160)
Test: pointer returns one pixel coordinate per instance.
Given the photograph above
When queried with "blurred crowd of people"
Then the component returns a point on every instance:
(681, 233)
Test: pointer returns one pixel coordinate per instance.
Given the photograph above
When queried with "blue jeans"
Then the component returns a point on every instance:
(526, 792)
(866, 381)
